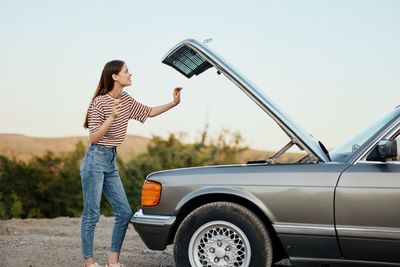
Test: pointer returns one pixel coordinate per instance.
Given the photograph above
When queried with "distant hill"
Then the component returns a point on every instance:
(23, 147)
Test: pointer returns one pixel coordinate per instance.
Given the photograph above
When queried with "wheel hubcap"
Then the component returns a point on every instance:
(219, 243)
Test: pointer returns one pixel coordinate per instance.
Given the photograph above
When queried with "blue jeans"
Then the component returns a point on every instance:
(100, 175)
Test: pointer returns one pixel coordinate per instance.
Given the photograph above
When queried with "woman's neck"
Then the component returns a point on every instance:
(116, 91)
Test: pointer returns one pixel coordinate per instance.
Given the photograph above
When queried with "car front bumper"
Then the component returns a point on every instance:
(153, 229)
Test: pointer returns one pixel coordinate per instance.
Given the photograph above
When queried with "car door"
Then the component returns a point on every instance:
(367, 209)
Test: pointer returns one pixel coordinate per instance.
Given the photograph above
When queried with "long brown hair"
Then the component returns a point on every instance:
(106, 82)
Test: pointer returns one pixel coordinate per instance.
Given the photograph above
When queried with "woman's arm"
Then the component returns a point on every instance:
(96, 136)
(155, 111)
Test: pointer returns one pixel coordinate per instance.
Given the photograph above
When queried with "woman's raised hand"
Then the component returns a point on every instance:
(177, 95)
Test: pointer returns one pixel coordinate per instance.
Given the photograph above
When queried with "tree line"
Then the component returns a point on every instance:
(49, 186)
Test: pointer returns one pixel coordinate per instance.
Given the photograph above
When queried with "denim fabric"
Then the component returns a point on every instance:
(100, 175)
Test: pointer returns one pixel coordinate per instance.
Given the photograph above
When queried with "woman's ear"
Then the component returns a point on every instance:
(115, 77)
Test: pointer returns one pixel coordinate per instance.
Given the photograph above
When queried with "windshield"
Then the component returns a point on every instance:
(346, 150)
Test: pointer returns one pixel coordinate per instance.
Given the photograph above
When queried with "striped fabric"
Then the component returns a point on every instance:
(100, 109)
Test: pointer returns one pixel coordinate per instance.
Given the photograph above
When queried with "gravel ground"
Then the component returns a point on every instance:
(56, 242)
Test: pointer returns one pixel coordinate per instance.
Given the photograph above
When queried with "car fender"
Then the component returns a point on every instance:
(231, 191)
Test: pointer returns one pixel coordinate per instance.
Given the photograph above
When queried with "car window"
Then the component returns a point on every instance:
(346, 150)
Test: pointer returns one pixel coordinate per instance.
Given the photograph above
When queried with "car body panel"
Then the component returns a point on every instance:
(368, 211)
(153, 229)
(309, 191)
(263, 182)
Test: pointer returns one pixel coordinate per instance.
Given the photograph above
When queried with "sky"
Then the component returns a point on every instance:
(333, 66)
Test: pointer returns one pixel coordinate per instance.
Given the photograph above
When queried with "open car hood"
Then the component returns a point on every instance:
(191, 57)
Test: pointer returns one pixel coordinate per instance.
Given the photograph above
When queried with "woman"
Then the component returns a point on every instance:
(107, 121)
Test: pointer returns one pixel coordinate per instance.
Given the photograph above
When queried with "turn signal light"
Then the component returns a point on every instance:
(151, 194)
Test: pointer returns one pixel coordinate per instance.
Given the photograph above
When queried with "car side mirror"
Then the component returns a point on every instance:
(385, 149)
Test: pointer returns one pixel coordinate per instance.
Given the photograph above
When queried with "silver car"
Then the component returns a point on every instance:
(337, 208)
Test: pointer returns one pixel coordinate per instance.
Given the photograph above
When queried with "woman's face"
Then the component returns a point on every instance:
(124, 78)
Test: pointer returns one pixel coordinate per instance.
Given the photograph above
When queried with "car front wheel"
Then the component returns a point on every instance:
(222, 234)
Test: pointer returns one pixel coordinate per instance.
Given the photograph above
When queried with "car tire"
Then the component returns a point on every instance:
(222, 234)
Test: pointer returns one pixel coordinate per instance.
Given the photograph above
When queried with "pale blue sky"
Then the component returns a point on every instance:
(333, 66)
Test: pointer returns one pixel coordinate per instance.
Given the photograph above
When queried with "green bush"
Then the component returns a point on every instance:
(50, 186)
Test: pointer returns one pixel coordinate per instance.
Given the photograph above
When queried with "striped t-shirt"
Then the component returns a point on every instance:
(101, 108)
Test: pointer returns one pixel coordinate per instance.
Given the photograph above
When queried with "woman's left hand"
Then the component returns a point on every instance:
(155, 111)
(177, 95)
